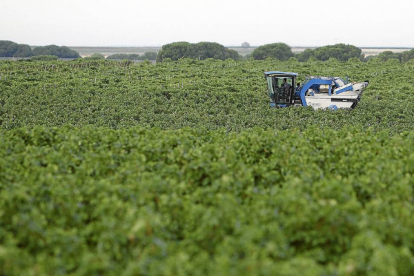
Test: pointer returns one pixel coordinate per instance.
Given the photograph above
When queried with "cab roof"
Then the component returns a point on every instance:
(280, 74)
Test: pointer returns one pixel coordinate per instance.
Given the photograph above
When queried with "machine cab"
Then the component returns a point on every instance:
(281, 88)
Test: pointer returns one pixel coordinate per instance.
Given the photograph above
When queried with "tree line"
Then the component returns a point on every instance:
(280, 51)
(12, 49)
(341, 52)
(53, 52)
(402, 57)
(206, 50)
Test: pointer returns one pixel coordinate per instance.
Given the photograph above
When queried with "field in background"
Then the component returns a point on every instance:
(106, 51)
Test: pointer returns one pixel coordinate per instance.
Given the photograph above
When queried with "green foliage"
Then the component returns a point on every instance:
(45, 58)
(199, 51)
(181, 168)
(305, 55)
(173, 51)
(149, 56)
(402, 57)
(407, 55)
(53, 50)
(209, 94)
(145, 56)
(368, 58)
(125, 56)
(386, 55)
(183, 202)
(205, 50)
(279, 51)
(11, 49)
(341, 52)
(23, 50)
(96, 56)
(7, 48)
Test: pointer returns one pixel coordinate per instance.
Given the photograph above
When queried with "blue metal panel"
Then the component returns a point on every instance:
(307, 85)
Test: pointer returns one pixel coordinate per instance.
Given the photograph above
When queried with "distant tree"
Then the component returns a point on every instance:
(341, 52)
(368, 58)
(61, 52)
(245, 45)
(201, 50)
(233, 54)
(115, 56)
(407, 55)
(149, 56)
(125, 56)
(7, 48)
(280, 51)
(205, 50)
(305, 55)
(96, 56)
(386, 55)
(12, 49)
(174, 51)
(44, 57)
(23, 50)
(372, 59)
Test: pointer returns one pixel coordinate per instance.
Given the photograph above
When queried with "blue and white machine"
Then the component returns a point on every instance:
(317, 92)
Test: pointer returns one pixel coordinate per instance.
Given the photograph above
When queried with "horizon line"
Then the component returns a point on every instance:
(232, 46)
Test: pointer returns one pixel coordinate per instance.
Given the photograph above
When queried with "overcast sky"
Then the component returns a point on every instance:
(157, 22)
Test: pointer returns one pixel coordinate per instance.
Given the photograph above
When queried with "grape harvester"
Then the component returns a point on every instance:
(317, 92)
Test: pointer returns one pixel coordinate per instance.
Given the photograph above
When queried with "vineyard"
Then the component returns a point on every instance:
(182, 168)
